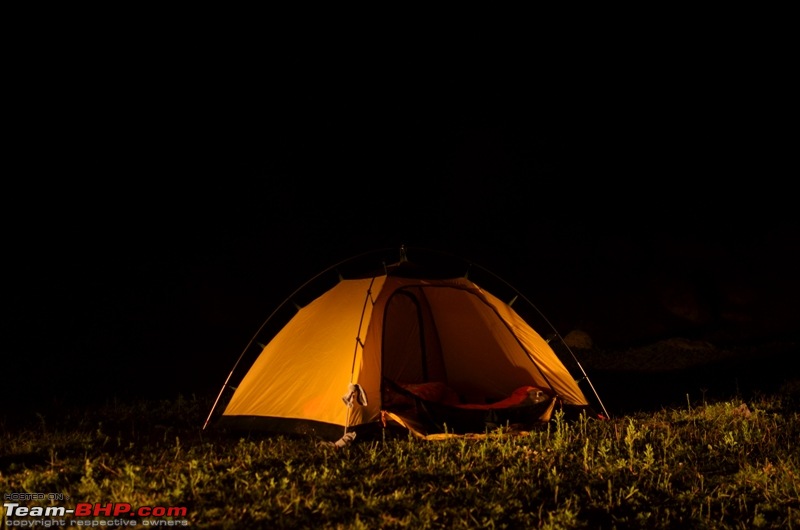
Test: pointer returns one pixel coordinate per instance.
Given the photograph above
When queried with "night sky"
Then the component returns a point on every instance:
(153, 229)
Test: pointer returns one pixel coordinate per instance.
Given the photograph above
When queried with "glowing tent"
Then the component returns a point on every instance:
(430, 354)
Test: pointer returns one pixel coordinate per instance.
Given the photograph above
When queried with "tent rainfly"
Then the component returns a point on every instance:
(431, 355)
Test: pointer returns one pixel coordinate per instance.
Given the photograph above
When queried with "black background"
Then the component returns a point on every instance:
(159, 210)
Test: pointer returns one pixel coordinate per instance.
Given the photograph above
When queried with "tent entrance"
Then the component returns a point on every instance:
(448, 359)
(451, 334)
(411, 351)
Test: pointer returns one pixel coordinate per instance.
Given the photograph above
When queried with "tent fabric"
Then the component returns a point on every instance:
(408, 330)
(304, 369)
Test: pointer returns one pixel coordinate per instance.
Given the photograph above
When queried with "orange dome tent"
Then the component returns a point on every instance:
(430, 354)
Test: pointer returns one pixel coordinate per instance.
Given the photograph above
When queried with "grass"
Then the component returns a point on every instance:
(726, 464)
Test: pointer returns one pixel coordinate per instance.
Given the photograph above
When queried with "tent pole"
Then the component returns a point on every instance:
(221, 390)
(585, 375)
